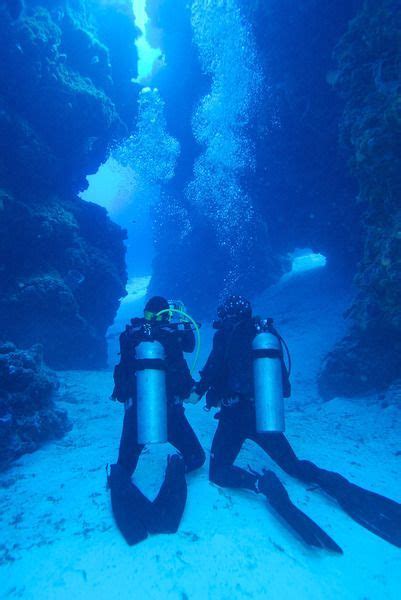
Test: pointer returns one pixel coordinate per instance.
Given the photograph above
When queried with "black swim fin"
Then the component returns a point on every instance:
(378, 514)
(130, 507)
(136, 515)
(277, 496)
(169, 504)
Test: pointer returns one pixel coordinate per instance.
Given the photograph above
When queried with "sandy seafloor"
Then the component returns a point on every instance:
(58, 539)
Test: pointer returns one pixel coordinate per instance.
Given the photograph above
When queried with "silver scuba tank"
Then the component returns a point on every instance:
(268, 383)
(151, 393)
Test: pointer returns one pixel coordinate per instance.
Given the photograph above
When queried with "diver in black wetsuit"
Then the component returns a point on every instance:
(134, 513)
(227, 378)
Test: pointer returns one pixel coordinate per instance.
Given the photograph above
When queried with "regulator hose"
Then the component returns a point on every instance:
(190, 320)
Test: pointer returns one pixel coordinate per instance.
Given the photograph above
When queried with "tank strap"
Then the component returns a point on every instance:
(156, 364)
(267, 353)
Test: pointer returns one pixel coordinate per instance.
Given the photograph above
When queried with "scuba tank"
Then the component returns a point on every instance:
(151, 393)
(268, 378)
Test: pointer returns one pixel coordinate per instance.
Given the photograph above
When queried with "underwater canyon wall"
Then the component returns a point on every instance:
(301, 185)
(328, 165)
(212, 84)
(66, 97)
(259, 74)
(324, 140)
(369, 80)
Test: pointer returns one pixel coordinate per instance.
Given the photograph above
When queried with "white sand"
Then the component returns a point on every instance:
(58, 538)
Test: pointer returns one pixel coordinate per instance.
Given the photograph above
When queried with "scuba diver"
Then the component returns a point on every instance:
(152, 379)
(246, 376)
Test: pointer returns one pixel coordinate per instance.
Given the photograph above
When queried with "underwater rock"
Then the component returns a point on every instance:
(351, 370)
(369, 80)
(62, 282)
(64, 102)
(61, 101)
(28, 414)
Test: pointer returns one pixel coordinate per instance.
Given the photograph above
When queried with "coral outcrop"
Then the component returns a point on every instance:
(28, 416)
(66, 98)
(62, 279)
(369, 80)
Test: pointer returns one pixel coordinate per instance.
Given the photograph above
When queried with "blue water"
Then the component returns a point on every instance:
(195, 150)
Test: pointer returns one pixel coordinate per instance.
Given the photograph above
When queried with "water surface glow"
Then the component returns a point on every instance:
(147, 56)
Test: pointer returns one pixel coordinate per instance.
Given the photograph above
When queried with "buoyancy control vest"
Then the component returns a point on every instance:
(238, 356)
(178, 378)
(236, 365)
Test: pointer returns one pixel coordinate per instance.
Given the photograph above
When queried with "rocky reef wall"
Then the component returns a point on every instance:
(28, 414)
(66, 98)
(293, 188)
(369, 80)
(302, 186)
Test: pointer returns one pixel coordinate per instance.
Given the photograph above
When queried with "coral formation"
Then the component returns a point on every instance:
(28, 416)
(368, 78)
(66, 98)
(62, 279)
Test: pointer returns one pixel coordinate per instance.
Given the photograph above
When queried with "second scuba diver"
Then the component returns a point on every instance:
(152, 380)
(245, 375)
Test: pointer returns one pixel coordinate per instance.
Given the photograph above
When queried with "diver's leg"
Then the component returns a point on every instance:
(227, 442)
(378, 514)
(279, 449)
(226, 445)
(182, 436)
(169, 505)
(130, 450)
(277, 446)
(131, 509)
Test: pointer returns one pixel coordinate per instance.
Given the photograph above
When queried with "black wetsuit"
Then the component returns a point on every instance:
(228, 380)
(178, 383)
(135, 514)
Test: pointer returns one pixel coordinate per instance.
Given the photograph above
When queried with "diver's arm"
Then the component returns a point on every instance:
(123, 371)
(124, 346)
(186, 338)
(129, 339)
(214, 366)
